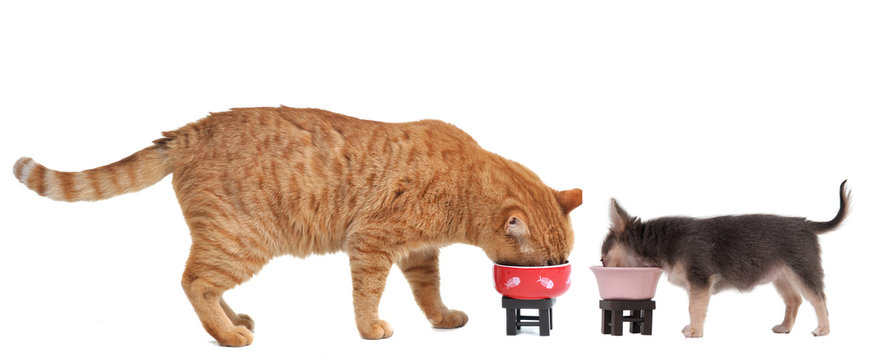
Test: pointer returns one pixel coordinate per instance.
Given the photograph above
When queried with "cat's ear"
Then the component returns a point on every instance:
(569, 199)
(619, 218)
(516, 227)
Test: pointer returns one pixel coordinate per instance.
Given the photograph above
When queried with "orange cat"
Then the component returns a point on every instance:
(262, 182)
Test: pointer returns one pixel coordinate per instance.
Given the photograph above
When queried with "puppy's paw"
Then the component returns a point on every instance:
(450, 319)
(821, 331)
(781, 329)
(378, 330)
(692, 332)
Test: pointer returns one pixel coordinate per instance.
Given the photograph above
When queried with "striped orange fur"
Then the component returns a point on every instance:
(134, 173)
(263, 182)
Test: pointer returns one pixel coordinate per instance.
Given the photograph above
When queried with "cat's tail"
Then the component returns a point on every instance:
(133, 173)
(845, 199)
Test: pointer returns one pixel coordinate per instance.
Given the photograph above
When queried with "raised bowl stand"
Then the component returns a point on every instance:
(612, 316)
(544, 320)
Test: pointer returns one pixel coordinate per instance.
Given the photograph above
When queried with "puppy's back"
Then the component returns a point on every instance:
(746, 250)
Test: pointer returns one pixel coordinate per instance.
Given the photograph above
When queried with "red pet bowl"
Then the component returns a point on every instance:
(532, 282)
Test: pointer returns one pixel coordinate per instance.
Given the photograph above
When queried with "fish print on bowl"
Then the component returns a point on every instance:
(532, 282)
(546, 282)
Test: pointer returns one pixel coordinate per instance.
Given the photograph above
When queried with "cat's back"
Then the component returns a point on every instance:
(307, 174)
(241, 127)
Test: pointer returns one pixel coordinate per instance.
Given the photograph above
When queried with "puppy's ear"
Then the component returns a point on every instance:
(618, 217)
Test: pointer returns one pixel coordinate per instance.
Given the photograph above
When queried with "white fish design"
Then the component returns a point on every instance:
(513, 282)
(545, 282)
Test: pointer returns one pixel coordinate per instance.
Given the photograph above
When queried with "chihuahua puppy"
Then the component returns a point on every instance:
(708, 255)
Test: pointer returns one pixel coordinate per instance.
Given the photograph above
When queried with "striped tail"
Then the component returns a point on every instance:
(133, 173)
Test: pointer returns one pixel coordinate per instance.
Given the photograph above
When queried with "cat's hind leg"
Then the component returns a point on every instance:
(237, 319)
(205, 297)
(218, 262)
(421, 270)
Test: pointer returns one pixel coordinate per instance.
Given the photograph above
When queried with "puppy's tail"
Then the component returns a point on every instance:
(845, 199)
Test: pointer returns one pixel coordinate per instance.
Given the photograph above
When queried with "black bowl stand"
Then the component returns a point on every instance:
(515, 320)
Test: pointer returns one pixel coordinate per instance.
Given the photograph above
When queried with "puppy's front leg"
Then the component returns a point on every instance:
(699, 298)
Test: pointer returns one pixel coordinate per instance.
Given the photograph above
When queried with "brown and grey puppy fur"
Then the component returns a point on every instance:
(708, 255)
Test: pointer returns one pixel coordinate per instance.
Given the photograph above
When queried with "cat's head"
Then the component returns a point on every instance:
(535, 233)
(620, 245)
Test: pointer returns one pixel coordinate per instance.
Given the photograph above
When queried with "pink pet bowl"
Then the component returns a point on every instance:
(532, 282)
(626, 283)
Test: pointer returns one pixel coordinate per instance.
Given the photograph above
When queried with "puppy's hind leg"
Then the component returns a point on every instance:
(812, 291)
(792, 302)
(820, 304)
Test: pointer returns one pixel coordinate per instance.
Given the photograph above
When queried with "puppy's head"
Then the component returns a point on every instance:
(620, 248)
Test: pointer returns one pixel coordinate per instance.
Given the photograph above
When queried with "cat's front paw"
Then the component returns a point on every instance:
(238, 336)
(449, 319)
(378, 330)
(692, 332)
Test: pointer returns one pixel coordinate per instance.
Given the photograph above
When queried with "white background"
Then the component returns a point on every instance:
(673, 107)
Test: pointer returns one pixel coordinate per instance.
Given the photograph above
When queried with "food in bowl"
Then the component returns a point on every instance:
(532, 282)
(626, 283)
